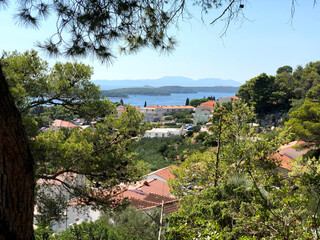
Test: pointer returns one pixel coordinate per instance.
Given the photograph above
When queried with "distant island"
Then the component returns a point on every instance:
(165, 81)
(163, 91)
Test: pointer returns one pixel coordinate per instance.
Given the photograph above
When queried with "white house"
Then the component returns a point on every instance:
(203, 112)
(164, 132)
(153, 113)
(75, 215)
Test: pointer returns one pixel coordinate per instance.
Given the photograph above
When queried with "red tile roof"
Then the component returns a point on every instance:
(234, 97)
(120, 109)
(156, 186)
(286, 153)
(285, 161)
(168, 207)
(153, 106)
(61, 123)
(165, 172)
(141, 200)
(210, 104)
(152, 197)
(147, 194)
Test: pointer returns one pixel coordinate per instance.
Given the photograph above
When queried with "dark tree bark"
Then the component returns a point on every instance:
(16, 171)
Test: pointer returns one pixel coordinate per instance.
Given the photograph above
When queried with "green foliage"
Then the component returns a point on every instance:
(197, 102)
(270, 94)
(185, 121)
(314, 93)
(103, 153)
(236, 209)
(87, 231)
(133, 224)
(181, 116)
(187, 102)
(258, 92)
(170, 125)
(250, 200)
(162, 152)
(305, 122)
(128, 224)
(32, 83)
(168, 118)
(271, 135)
(284, 69)
(201, 136)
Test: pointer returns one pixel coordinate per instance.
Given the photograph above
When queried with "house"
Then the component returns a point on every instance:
(121, 109)
(150, 193)
(287, 153)
(163, 174)
(150, 201)
(171, 109)
(153, 113)
(56, 189)
(227, 99)
(75, 215)
(164, 132)
(57, 186)
(203, 112)
(144, 195)
(57, 124)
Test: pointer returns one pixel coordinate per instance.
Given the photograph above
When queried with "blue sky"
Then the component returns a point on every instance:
(268, 40)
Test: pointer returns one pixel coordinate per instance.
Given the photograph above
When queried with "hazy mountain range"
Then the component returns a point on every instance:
(165, 81)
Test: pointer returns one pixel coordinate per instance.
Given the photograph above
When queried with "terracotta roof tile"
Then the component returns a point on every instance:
(210, 104)
(156, 186)
(165, 172)
(153, 106)
(171, 207)
(137, 203)
(61, 123)
(285, 161)
(168, 207)
(120, 109)
(155, 198)
(234, 97)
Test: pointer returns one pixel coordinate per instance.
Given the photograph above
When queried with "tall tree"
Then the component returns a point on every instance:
(16, 171)
(187, 102)
(33, 85)
(257, 92)
(284, 69)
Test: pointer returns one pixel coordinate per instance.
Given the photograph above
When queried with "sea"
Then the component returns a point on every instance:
(175, 99)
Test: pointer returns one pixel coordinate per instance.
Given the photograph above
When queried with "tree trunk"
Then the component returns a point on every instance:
(16, 171)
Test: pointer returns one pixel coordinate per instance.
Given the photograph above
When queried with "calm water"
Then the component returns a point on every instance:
(173, 99)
